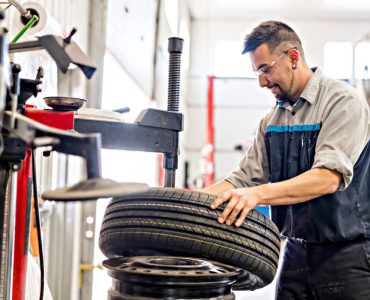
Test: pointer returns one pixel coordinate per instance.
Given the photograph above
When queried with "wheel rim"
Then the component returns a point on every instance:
(165, 277)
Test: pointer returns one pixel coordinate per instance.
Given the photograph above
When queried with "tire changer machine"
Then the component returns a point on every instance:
(25, 129)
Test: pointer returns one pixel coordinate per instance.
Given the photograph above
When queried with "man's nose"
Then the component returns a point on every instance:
(262, 80)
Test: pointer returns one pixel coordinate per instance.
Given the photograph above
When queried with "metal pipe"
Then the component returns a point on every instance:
(10, 234)
(175, 46)
(169, 178)
(7, 223)
(4, 200)
(24, 12)
(25, 46)
(14, 92)
(4, 80)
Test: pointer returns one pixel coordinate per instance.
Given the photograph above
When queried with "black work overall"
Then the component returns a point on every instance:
(327, 252)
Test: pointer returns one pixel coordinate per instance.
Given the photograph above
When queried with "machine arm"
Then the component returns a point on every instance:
(39, 135)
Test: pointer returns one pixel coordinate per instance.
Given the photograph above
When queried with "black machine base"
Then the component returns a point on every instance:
(167, 277)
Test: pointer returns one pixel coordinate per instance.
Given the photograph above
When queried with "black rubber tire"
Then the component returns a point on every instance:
(180, 222)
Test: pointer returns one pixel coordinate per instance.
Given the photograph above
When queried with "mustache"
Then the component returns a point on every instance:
(274, 85)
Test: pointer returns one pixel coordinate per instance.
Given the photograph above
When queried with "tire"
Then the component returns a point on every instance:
(170, 221)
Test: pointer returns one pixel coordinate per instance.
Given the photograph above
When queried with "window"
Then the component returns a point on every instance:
(338, 60)
(229, 61)
(362, 60)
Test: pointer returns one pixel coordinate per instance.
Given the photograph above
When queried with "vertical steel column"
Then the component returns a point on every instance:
(4, 178)
(10, 231)
(7, 218)
(23, 214)
(175, 46)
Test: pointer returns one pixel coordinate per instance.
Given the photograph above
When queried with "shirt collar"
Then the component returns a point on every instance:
(311, 89)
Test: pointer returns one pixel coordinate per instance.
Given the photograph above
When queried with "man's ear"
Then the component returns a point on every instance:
(293, 56)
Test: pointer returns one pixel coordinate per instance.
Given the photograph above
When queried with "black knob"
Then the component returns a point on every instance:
(16, 68)
(69, 37)
(175, 45)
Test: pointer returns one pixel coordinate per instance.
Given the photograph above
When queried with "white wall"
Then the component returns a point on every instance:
(131, 31)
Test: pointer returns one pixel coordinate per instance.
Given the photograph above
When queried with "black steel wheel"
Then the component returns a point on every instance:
(168, 221)
(166, 277)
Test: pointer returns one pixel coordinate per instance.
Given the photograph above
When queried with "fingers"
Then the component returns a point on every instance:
(229, 209)
(236, 209)
(235, 212)
(224, 197)
(242, 216)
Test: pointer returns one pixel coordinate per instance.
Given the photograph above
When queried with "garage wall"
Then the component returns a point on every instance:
(131, 33)
(235, 122)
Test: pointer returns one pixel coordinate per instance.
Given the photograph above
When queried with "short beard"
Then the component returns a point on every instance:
(286, 96)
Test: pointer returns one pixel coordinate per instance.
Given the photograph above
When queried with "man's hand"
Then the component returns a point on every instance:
(241, 202)
(306, 186)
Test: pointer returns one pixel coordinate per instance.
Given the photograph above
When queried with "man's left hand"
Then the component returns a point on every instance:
(241, 202)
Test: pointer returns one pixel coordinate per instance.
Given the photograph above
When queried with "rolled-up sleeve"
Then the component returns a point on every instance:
(344, 134)
(253, 167)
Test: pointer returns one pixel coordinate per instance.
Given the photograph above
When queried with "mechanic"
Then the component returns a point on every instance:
(310, 161)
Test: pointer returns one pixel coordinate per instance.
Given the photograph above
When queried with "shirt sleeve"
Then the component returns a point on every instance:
(344, 134)
(253, 167)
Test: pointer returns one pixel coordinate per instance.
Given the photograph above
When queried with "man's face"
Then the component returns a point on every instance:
(274, 72)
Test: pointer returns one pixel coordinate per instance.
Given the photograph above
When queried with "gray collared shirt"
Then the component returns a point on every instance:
(341, 113)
